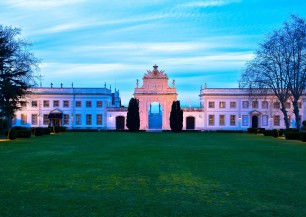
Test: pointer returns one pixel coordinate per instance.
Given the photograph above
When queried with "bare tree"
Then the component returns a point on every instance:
(17, 67)
(279, 66)
(294, 46)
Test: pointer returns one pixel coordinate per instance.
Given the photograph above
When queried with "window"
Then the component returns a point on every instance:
(34, 119)
(255, 104)
(34, 103)
(221, 104)
(46, 120)
(233, 120)
(55, 103)
(287, 105)
(23, 119)
(264, 104)
(88, 119)
(222, 120)
(99, 104)
(46, 103)
(232, 104)
(99, 119)
(23, 104)
(66, 104)
(78, 104)
(88, 104)
(245, 104)
(78, 119)
(276, 120)
(265, 119)
(245, 120)
(66, 119)
(276, 105)
(211, 120)
(211, 104)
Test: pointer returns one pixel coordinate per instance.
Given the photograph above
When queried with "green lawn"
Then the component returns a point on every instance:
(152, 174)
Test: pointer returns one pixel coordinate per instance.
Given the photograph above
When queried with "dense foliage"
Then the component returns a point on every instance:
(176, 117)
(133, 119)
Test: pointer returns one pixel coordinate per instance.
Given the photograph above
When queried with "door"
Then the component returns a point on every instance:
(190, 123)
(255, 122)
(120, 123)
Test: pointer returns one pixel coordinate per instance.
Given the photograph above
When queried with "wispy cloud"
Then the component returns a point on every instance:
(89, 23)
(209, 3)
(37, 4)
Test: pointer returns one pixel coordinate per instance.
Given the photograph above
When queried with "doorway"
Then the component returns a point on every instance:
(155, 116)
(255, 122)
(120, 121)
(190, 123)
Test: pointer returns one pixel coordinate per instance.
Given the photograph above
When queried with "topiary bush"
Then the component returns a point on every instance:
(275, 133)
(292, 135)
(12, 134)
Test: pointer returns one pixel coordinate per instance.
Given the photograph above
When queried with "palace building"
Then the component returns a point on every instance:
(100, 108)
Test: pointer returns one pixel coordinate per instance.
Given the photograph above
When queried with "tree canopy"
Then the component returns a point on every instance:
(280, 66)
(17, 70)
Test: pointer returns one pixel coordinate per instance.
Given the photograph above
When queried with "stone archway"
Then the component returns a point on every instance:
(155, 116)
(155, 88)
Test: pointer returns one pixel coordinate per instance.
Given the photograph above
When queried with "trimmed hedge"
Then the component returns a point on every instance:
(57, 129)
(256, 130)
(24, 133)
(303, 136)
(267, 132)
(292, 135)
(275, 133)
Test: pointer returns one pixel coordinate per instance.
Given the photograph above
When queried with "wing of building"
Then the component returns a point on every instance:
(100, 108)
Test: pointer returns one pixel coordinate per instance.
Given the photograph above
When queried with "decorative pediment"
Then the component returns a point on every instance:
(56, 111)
(255, 112)
(155, 73)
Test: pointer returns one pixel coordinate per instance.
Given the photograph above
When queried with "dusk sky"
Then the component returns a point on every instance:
(90, 42)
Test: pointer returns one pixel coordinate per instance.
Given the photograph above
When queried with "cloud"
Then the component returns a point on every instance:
(210, 3)
(38, 4)
(89, 23)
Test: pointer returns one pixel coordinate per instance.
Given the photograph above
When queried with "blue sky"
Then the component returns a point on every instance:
(90, 42)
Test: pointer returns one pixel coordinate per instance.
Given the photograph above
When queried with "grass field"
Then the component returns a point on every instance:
(152, 174)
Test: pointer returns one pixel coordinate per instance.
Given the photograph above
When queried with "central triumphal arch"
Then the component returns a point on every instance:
(155, 89)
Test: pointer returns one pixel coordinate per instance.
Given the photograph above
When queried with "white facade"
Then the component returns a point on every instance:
(100, 108)
(75, 107)
(233, 109)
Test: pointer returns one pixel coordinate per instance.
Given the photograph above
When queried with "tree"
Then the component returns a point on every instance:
(295, 49)
(133, 120)
(17, 67)
(279, 66)
(176, 117)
